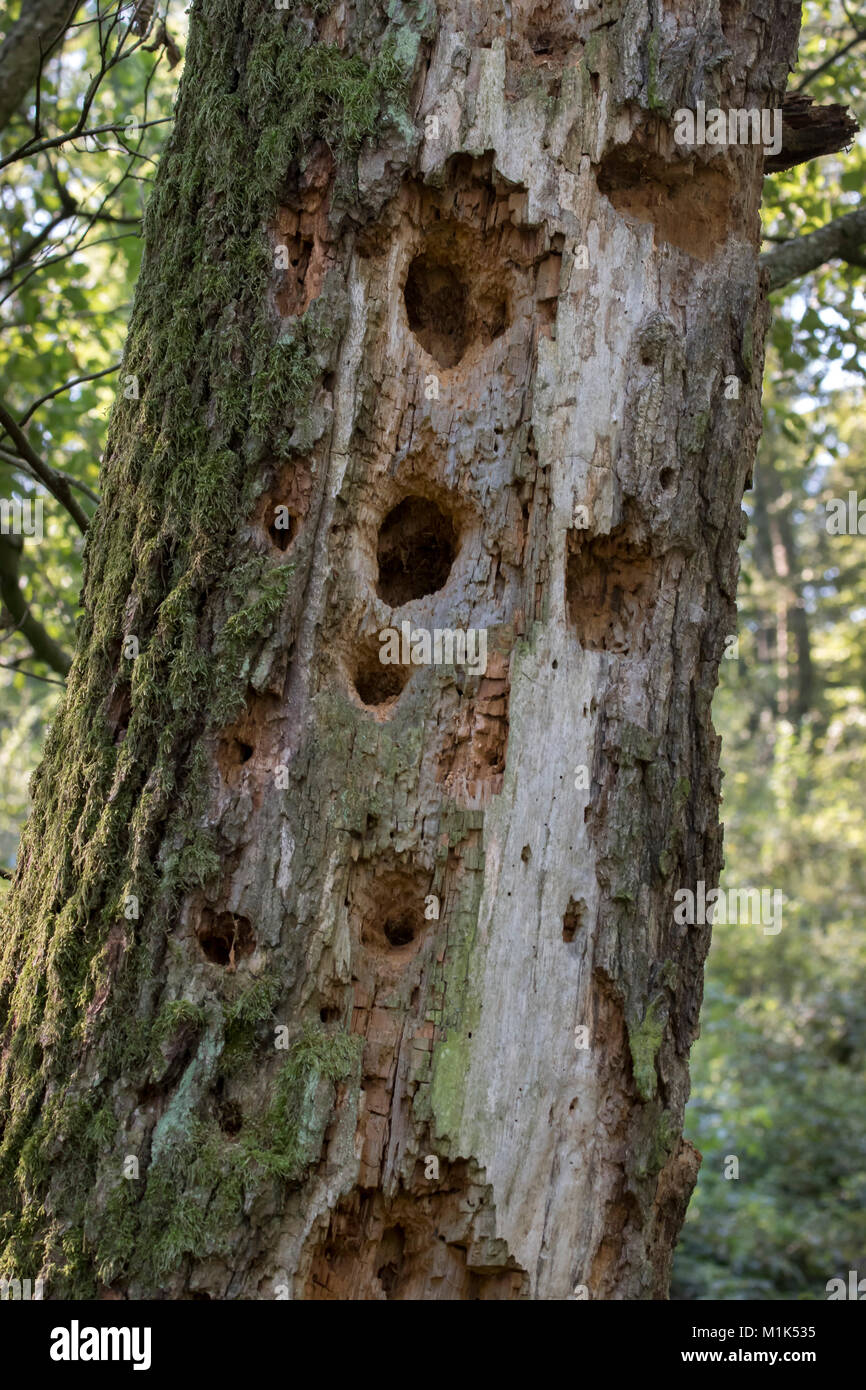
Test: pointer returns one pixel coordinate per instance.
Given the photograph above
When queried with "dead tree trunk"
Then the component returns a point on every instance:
(329, 977)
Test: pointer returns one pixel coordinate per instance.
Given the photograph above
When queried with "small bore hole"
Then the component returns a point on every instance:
(572, 920)
(399, 931)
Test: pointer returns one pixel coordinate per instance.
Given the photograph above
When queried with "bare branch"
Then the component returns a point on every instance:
(18, 462)
(29, 150)
(31, 675)
(842, 239)
(859, 37)
(67, 386)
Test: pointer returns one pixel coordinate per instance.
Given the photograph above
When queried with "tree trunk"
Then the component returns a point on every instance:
(329, 977)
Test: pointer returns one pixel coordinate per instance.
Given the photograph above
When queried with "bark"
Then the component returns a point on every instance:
(809, 131)
(507, 379)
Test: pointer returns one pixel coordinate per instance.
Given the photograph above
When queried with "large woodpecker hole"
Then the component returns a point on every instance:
(436, 307)
(394, 927)
(417, 544)
(225, 938)
(283, 528)
(387, 901)
(400, 928)
(285, 501)
(688, 204)
(417, 1244)
(544, 33)
(456, 292)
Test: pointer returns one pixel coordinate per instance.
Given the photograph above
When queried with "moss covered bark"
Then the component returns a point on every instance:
(119, 797)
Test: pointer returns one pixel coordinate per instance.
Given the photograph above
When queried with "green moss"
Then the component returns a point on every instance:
(219, 392)
(662, 1141)
(461, 1015)
(243, 1017)
(172, 1017)
(644, 1042)
(656, 101)
(290, 1137)
(196, 1190)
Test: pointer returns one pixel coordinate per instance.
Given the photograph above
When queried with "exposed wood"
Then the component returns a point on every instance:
(531, 348)
(808, 131)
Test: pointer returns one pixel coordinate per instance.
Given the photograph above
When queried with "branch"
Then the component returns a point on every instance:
(32, 245)
(859, 36)
(18, 462)
(809, 131)
(56, 484)
(844, 239)
(44, 646)
(31, 675)
(64, 256)
(28, 150)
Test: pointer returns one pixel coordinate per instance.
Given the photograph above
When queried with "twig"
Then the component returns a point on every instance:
(49, 680)
(18, 462)
(67, 386)
(859, 36)
(29, 150)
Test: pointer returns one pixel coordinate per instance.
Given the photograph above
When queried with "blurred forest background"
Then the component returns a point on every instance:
(778, 1074)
